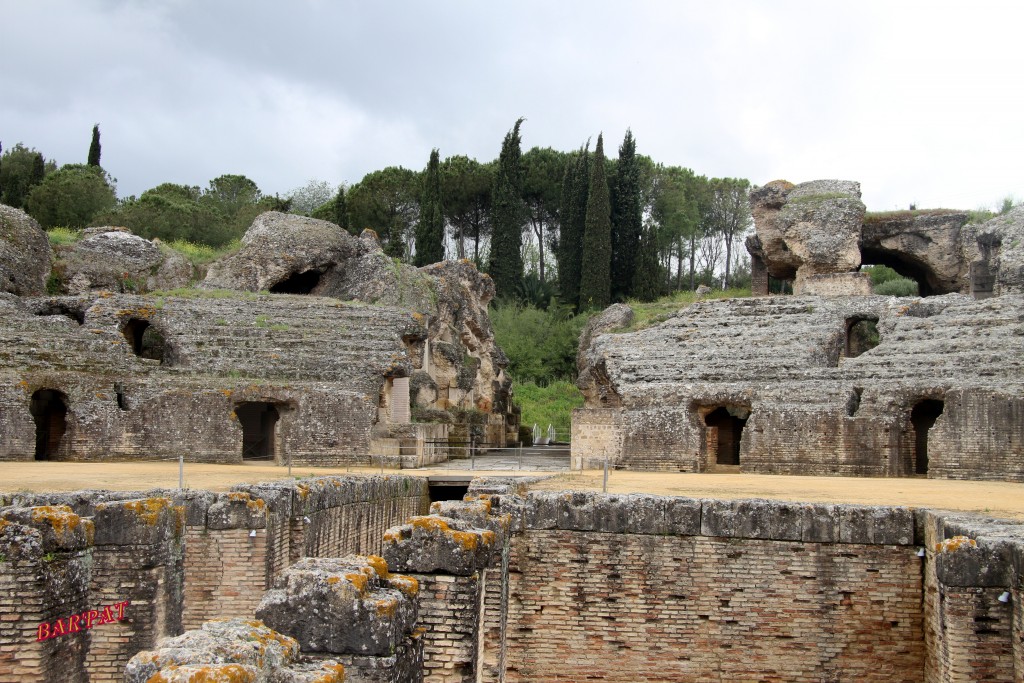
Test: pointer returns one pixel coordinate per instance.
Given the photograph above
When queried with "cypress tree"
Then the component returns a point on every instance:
(575, 186)
(507, 215)
(595, 279)
(430, 229)
(94, 147)
(647, 273)
(627, 219)
(341, 209)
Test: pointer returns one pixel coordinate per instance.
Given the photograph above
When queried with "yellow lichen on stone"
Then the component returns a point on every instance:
(387, 607)
(60, 517)
(335, 673)
(360, 581)
(392, 537)
(227, 392)
(406, 584)
(430, 524)
(467, 539)
(149, 509)
(951, 545)
(379, 564)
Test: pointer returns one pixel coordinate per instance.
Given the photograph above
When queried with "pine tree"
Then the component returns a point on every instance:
(430, 229)
(627, 219)
(575, 186)
(647, 273)
(507, 215)
(94, 147)
(341, 209)
(595, 280)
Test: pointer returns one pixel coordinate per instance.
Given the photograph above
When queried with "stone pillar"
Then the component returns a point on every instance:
(970, 633)
(448, 557)
(226, 559)
(44, 591)
(758, 277)
(138, 558)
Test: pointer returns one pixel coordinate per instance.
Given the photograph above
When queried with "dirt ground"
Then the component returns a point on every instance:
(996, 499)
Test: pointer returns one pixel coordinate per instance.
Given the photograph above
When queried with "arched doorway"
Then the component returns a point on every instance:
(144, 339)
(923, 416)
(861, 335)
(723, 435)
(258, 421)
(49, 409)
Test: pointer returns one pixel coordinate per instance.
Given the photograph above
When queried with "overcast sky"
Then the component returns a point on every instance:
(919, 101)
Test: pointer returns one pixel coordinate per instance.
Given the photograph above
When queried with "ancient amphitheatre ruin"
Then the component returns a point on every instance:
(309, 347)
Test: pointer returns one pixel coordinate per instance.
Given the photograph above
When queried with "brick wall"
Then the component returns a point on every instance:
(623, 607)
(595, 434)
(450, 615)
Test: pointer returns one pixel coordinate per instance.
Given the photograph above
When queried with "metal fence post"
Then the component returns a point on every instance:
(605, 487)
(181, 471)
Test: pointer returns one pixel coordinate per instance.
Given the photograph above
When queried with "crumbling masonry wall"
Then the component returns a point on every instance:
(179, 559)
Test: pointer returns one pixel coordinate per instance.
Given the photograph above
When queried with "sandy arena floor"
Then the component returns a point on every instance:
(996, 499)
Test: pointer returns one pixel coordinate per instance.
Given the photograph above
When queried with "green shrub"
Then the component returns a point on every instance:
(540, 345)
(649, 314)
(60, 236)
(898, 287)
(201, 254)
(551, 404)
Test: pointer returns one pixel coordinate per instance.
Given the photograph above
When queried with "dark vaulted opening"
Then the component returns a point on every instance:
(258, 421)
(298, 283)
(923, 417)
(49, 410)
(724, 435)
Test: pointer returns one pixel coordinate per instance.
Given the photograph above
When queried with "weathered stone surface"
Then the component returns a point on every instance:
(59, 527)
(1001, 242)
(141, 521)
(752, 519)
(25, 254)
(116, 260)
(352, 605)
(931, 247)
(438, 545)
(876, 525)
(236, 649)
(808, 229)
(635, 513)
(279, 246)
(237, 511)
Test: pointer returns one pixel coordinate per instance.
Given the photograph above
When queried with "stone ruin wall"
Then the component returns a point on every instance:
(146, 375)
(180, 558)
(783, 364)
(538, 587)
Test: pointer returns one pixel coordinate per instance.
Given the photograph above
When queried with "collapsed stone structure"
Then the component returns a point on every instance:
(818, 234)
(377, 358)
(833, 381)
(507, 585)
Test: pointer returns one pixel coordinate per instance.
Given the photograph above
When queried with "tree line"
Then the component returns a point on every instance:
(578, 227)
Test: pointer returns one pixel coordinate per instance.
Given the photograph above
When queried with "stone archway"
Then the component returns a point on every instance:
(49, 409)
